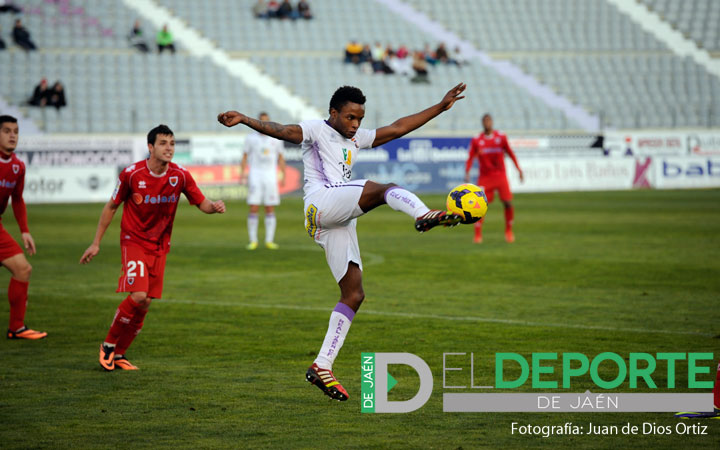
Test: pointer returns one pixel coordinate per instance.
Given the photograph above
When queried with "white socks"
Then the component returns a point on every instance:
(340, 321)
(252, 224)
(270, 223)
(403, 200)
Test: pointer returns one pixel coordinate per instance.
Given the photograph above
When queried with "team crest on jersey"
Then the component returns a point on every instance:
(16, 168)
(497, 140)
(131, 281)
(347, 156)
(173, 181)
(137, 198)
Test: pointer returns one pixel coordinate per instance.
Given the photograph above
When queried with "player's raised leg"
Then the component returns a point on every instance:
(20, 269)
(400, 199)
(351, 297)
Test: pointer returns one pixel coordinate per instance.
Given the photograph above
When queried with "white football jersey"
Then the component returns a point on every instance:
(262, 153)
(328, 156)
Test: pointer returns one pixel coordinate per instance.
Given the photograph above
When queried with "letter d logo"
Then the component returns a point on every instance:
(377, 381)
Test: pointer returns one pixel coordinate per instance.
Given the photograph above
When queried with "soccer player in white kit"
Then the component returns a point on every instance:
(333, 201)
(264, 155)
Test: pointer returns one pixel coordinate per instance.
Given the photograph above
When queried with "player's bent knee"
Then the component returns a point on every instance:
(141, 299)
(356, 297)
(23, 272)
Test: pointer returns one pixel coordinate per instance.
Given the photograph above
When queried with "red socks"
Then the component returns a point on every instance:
(478, 229)
(123, 316)
(131, 330)
(17, 296)
(509, 216)
(716, 390)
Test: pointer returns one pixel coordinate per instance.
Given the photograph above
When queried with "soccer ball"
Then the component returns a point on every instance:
(469, 201)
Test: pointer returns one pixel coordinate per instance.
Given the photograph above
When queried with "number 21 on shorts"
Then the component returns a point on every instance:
(133, 266)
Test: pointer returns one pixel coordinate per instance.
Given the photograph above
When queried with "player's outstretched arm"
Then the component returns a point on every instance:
(106, 217)
(211, 207)
(290, 133)
(403, 126)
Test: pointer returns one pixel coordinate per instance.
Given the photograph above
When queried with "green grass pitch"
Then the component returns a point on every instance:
(223, 355)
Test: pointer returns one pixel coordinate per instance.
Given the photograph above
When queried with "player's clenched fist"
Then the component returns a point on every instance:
(230, 118)
(89, 254)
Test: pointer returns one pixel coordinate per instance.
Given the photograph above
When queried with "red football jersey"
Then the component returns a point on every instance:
(490, 152)
(12, 183)
(151, 202)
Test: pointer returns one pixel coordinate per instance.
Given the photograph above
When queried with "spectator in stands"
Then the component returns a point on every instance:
(40, 94)
(7, 6)
(352, 52)
(136, 38)
(273, 6)
(457, 57)
(420, 67)
(165, 40)
(22, 38)
(429, 55)
(378, 57)
(260, 10)
(365, 54)
(402, 52)
(402, 66)
(303, 9)
(441, 54)
(285, 11)
(56, 96)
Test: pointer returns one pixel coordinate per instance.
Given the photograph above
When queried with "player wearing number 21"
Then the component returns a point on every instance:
(151, 191)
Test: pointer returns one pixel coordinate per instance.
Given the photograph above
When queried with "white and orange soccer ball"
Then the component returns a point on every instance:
(468, 201)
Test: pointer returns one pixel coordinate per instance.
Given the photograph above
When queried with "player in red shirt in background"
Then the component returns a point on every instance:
(489, 148)
(12, 182)
(151, 191)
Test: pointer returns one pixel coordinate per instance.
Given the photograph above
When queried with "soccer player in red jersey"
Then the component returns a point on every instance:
(151, 191)
(490, 148)
(12, 181)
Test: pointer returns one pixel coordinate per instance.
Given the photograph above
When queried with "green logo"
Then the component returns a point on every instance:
(377, 382)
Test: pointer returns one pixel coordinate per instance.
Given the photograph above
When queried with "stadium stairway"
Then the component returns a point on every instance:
(663, 31)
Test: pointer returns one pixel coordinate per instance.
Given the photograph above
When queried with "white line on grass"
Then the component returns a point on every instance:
(440, 317)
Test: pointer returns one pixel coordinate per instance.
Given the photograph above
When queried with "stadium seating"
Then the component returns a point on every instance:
(393, 96)
(129, 92)
(592, 54)
(697, 19)
(585, 50)
(232, 26)
(85, 24)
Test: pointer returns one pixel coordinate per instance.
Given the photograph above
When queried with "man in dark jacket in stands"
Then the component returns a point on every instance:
(21, 36)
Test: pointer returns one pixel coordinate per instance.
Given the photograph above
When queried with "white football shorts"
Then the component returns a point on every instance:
(330, 219)
(263, 190)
